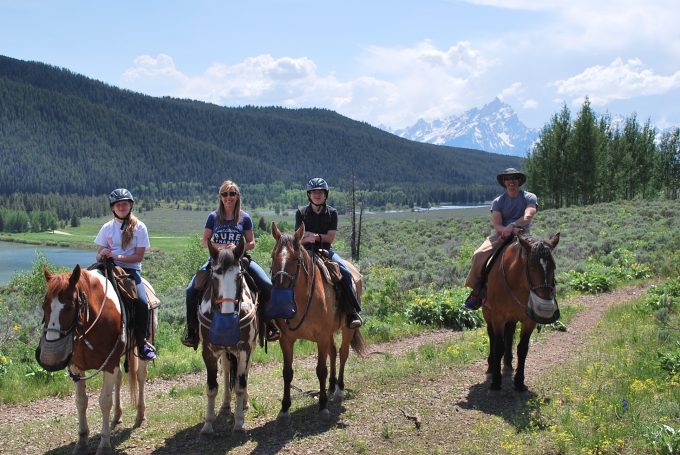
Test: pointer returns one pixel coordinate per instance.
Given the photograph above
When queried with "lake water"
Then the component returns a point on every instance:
(19, 257)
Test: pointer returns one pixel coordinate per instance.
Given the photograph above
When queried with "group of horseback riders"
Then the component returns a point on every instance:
(125, 238)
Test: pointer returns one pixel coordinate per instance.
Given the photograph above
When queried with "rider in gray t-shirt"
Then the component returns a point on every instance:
(511, 214)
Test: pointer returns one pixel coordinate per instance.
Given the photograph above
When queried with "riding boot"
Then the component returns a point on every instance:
(475, 300)
(144, 349)
(273, 333)
(190, 338)
(354, 321)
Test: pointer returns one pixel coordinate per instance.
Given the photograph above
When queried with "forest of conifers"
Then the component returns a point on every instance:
(66, 141)
(67, 135)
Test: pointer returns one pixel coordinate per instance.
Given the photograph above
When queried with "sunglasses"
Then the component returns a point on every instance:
(229, 193)
(511, 177)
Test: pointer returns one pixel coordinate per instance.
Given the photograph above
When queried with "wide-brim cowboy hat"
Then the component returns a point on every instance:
(511, 171)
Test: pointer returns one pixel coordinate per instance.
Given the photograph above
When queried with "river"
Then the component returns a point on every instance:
(19, 257)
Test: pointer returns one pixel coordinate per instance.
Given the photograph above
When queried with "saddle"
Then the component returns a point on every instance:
(330, 269)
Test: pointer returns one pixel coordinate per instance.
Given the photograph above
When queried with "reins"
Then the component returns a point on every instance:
(293, 280)
(83, 302)
(528, 277)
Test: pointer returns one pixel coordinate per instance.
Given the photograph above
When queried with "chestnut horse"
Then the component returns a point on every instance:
(525, 272)
(228, 292)
(318, 317)
(84, 330)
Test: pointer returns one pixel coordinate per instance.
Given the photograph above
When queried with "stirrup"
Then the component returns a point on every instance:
(474, 301)
(189, 339)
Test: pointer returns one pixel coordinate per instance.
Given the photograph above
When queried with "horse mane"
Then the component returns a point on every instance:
(60, 281)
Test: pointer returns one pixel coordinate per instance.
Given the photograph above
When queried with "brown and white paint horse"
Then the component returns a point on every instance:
(228, 286)
(319, 316)
(83, 330)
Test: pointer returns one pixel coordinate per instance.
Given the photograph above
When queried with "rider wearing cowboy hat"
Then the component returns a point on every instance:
(511, 214)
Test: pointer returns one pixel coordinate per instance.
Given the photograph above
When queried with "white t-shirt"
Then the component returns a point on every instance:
(110, 237)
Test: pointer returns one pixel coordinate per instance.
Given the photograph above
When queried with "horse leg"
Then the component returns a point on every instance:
(522, 351)
(496, 354)
(227, 370)
(117, 408)
(344, 354)
(210, 390)
(141, 375)
(508, 338)
(83, 428)
(105, 404)
(243, 367)
(489, 333)
(332, 378)
(287, 351)
(322, 374)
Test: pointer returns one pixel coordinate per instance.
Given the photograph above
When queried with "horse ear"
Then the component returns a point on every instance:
(213, 250)
(524, 242)
(48, 275)
(554, 240)
(275, 231)
(240, 249)
(75, 276)
(300, 231)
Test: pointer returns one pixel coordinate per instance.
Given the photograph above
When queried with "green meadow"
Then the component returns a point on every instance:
(620, 396)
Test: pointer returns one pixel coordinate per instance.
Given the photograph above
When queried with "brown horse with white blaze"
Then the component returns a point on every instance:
(84, 330)
(524, 274)
(318, 317)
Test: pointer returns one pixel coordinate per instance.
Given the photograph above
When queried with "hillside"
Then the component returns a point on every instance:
(62, 132)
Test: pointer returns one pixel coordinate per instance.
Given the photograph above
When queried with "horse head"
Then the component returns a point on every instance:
(60, 316)
(287, 255)
(540, 274)
(226, 275)
(61, 303)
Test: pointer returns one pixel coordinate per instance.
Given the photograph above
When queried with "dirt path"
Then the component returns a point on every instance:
(451, 403)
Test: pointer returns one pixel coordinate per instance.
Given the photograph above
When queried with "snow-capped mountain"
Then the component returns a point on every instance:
(494, 128)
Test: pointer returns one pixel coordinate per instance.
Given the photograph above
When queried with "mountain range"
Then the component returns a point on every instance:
(64, 133)
(493, 128)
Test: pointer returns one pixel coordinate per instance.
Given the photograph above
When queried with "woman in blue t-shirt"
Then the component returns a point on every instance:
(226, 226)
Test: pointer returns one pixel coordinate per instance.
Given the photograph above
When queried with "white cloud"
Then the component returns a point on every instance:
(396, 86)
(618, 81)
(530, 104)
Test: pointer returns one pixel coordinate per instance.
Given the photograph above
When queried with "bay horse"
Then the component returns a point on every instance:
(84, 330)
(525, 271)
(318, 317)
(226, 292)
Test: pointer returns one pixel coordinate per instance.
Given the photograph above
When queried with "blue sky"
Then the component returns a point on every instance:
(385, 62)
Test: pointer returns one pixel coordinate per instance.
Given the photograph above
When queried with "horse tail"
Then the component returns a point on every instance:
(132, 379)
(358, 344)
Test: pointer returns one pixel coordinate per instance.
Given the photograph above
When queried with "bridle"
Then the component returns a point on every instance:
(300, 263)
(542, 253)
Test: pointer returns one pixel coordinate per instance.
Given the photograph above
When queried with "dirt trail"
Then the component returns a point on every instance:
(468, 392)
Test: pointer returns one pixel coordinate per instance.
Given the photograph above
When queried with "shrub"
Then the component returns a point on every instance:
(596, 278)
(442, 309)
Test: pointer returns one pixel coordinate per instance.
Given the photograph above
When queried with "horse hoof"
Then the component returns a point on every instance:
(207, 428)
(283, 417)
(495, 387)
(240, 429)
(521, 388)
(325, 414)
(138, 422)
(105, 450)
(80, 449)
(338, 394)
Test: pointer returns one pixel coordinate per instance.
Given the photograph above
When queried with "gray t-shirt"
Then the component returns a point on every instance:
(511, 208)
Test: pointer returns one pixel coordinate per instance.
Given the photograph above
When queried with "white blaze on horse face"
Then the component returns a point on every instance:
(55, 310)
(227, 288)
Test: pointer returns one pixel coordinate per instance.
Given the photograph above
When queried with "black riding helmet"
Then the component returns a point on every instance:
(317, 183)
(121, 194)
